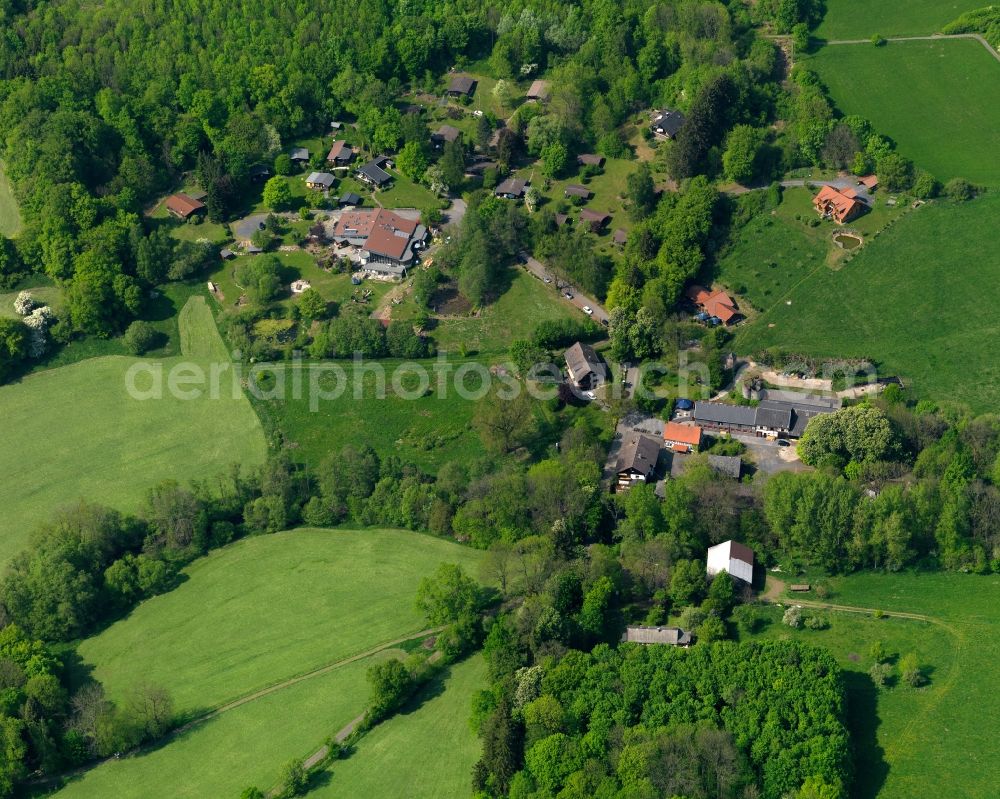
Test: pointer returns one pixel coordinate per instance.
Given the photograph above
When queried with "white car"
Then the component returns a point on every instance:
(547, 279)
(588, 310)
(590, 395)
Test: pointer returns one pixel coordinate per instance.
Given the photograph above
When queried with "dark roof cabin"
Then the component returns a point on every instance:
(589, 159)
(299, 154)
(340, 153)
(373, 174)
(349, 199)
(462, 86)
(596, 219)
(672, 636)
(667, 123)
(511, 189)
(446, 133)
(575, 190)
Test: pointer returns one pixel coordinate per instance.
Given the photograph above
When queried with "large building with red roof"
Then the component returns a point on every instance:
(388, 242)
(840, 205)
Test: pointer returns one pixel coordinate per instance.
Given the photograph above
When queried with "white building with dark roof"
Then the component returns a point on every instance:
(731, 557)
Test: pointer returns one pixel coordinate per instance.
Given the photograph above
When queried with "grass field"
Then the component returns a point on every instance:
(426, 431)
(525, 303)
(775, 251)
(913, 300)
(862, 19)
(46, 295)
(10, 215)
(245, 746)
(940, 101)
(931, 739)
(430, 748)
(86, 438)
(269, 608)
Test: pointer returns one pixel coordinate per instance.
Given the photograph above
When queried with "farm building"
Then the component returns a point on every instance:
(388, 241)
(731, 557)
(637, 460)
(461, 86)
(597, 220)
(574, 190)
(183, 206)
(341, 153)
(672, 636)
(444, 134)
(586, 370)
(870, 182)
(589, 159)
(716, 304)
(840, 205)
(373, 173)
(681, 437)
(538, 91)
(320, 181)
(511, 189)
(666, 124)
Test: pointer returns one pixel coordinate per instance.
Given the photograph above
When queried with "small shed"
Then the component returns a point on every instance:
(539, 90)
(590, 159)
(672, 636)
(575, 190)
(299, 155)
(461, 86)
(800, 588)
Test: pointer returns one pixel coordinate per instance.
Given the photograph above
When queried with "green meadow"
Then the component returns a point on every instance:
(913, 299)
(82, 436)
(269, 608)
(428, 747)
(245, 746)
(862, 19)
(927, 741)
(939, 101)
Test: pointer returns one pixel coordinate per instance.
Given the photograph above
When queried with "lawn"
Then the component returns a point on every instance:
(428, 430)
(931, 739)
(608, 189)
(777, 250)
(10, 215)
(939, 101)
(245, 746)
(46, 295)
(913, 300)
(429, 748)
(525, 303)
(862, 19)
(90, 440)
(268, 608)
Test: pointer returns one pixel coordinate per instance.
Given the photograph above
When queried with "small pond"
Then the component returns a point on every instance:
(847, 241)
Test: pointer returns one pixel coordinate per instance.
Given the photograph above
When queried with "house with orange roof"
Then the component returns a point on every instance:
(840, 205)
(681, 437)
(717, 304)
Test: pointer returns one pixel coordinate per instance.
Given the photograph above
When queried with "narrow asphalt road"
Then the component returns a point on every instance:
(539, 270)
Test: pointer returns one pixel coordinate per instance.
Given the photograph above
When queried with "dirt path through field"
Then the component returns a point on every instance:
(933, 38)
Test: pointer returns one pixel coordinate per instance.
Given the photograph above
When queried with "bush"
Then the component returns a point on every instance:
(878, 41)
(960, 189)
(793, 618)
(880, 674)
(140, 338)
(817, 622)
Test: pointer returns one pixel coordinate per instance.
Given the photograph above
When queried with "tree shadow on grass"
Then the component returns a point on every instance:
(863, 722)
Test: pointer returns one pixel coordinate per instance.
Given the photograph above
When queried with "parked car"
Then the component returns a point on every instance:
(522, 258)
(547, 279)
(784, 442)
(588, 310)
(568, 295)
